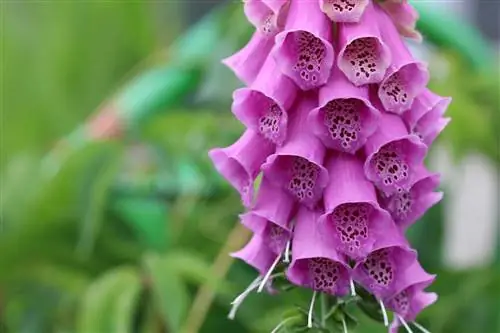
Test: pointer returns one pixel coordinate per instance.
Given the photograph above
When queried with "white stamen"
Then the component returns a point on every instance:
(344, 325)
(280, 325)
(268, 274)
(384, 313)
(311, 310)
(405, 324)
(248, 290)
(420, 327)
(353, 289)
(287, 252)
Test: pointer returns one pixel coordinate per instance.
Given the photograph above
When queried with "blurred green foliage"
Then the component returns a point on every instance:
(121, 237)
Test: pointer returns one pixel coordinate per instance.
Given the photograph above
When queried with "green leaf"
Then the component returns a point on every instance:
(170, 294)
(109, 302)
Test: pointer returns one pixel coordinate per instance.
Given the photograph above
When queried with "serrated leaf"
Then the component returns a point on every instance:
(170, 294)
(109, 303)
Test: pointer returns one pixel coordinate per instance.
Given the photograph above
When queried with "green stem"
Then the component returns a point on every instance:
(324, 306)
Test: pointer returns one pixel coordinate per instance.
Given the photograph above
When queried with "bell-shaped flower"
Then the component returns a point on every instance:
(297, 165)
(344, 10)
(345, 118)
(411, 300)
(257, 254)
(267, 16)
(240, 163)
(403, 16)
(406, 78)
(304, 50)
(247, 62)
(264, 106)
(353, 220)
(393, 155)
(410, 205)
(315, 264)
(363, 56)
(271, 216)
(382, 272)
(423, 104)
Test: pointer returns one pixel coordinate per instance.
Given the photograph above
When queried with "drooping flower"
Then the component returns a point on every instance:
(412, 299)
(363, 55)
(271, 216)
(268, 16)
(353, 220)
(403, 16)
(406, 78)
(256, 253)
(344, 10)
(408, 206)
(345, 118)
(297, 166)
(304, 50)
(393, 155)
(316, 265)
(247, 62)
(263, 107)
(240, 163)
(382, 272)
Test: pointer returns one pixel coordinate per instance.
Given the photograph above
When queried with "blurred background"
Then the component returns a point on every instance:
(112, 217)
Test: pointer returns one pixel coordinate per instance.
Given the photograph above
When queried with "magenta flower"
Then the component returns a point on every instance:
(345, 118)
(247, 62)
(363, 56)
(393, 155)
(344, 10)
(304, 51)
(404, 17)
(240, 163)
(263, 107)
(297, 166)
(412, 298)
(383, 271)
(408, 206)
(271, 217)
(353, 220)
(406, 77)
(267, 16)
(316, 265)
(340, 145)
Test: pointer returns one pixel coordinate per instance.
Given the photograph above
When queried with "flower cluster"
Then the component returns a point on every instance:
(339, 121)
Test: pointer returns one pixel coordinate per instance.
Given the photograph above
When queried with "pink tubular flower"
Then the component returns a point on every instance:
(315, 264)
(297, 165)
(256, 254)
(263, 107)
(353, 219)
(344, 10)
(408, 206)
(382, 272)
(411, 300)
(247, 62)
(404, 17)
(303, 51)
(345, 118)
(363, 56)
(240, 163)
(406, 77)
(270, 218)
(266, 16)
(393, 155)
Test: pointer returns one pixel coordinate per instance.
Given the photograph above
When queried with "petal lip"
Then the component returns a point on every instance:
(352, 16)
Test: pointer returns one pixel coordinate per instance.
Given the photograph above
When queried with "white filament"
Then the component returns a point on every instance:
(384, 313)
(287, 252)
(405, 324)
(353, 289)
(311, 310)
(268, 274)
(344, 325)
(420, 327)
(280, 325)
(247, 291)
